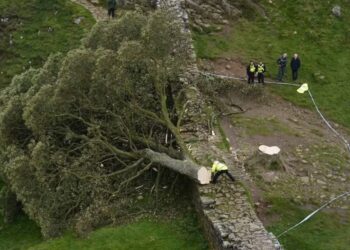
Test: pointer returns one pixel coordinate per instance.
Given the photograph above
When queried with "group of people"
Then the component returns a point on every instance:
(258, 70)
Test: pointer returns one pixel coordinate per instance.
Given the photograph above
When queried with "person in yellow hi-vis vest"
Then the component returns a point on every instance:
(218, 169)
(261, 72)
(251, 69)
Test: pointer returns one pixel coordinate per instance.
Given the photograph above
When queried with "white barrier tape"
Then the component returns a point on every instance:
(325, 121)
(244, 79)
(313, 213)
(328, 123)
(347, 144)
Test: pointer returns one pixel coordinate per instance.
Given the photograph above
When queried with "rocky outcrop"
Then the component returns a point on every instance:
(205, 15)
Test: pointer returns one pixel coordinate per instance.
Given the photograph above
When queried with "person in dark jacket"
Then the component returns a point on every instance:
(282, 63)
(295, 65)
(261, 68)
(251, 69)
(111, 5)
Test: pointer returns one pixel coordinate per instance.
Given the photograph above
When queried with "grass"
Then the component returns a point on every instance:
(306, 27)
(32, 40)
(146, 234)
(151, 234)
(181, 233)
(325, 231)
(262, 126)
(224, 143)
(20, 235)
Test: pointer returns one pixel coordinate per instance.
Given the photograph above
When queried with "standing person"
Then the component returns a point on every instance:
(251, 69)
(111, 5)
(282, 63)
(295, 65)
(261, 71)
(218, 169)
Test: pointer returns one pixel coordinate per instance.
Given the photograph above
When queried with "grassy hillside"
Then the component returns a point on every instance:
(180, 233)
(306, 27)
(37, 28)
(325, 231)
(20, 235)
(151, 234)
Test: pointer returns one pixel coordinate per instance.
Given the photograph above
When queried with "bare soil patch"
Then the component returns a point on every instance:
(317, 162)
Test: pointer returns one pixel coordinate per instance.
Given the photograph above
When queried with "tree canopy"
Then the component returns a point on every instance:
(73, 133)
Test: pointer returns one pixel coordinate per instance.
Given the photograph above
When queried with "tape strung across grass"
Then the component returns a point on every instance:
(313, 213)
(328, 124)
(244, 79)
(347, 144)
(345, 141)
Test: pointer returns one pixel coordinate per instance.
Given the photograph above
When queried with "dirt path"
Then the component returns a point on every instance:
(99, 13)
(317, 164)
(224, 66)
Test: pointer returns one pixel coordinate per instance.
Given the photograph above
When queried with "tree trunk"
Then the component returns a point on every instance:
(197, 173)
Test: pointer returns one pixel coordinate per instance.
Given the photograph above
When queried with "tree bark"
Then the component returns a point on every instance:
(187, 167)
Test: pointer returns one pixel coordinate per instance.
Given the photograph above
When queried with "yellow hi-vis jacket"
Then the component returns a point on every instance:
(261, 68)
(218, 166)
(252, 68)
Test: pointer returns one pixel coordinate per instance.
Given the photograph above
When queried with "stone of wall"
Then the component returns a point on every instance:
(225, 211)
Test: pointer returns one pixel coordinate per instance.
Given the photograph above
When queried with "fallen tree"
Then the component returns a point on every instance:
(185, 167)
(77, 135)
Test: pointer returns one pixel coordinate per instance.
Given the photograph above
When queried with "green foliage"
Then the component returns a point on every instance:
(73, 131)
(29, 23)
(304, 27)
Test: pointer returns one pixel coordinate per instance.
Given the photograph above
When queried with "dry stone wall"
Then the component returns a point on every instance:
(227, 216)
(225, 211)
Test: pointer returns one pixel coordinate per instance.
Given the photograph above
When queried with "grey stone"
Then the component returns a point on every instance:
(321, 182)
(226, 244)
(231, 236)
(336, 10)
(207, 202)
(78, 20)
(253, 227)
(305, 179)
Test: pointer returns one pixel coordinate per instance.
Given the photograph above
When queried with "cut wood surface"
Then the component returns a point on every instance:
(186, 167)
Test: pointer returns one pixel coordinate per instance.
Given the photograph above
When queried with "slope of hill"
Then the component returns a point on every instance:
(315, 164)
(31, 30)
(178, 232)
(305, 27)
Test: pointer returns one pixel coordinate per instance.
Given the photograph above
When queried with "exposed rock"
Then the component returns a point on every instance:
(269, 177)
(78, 20)
(207, 202)
(336, 10)
(305, 179)
(321, 182)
